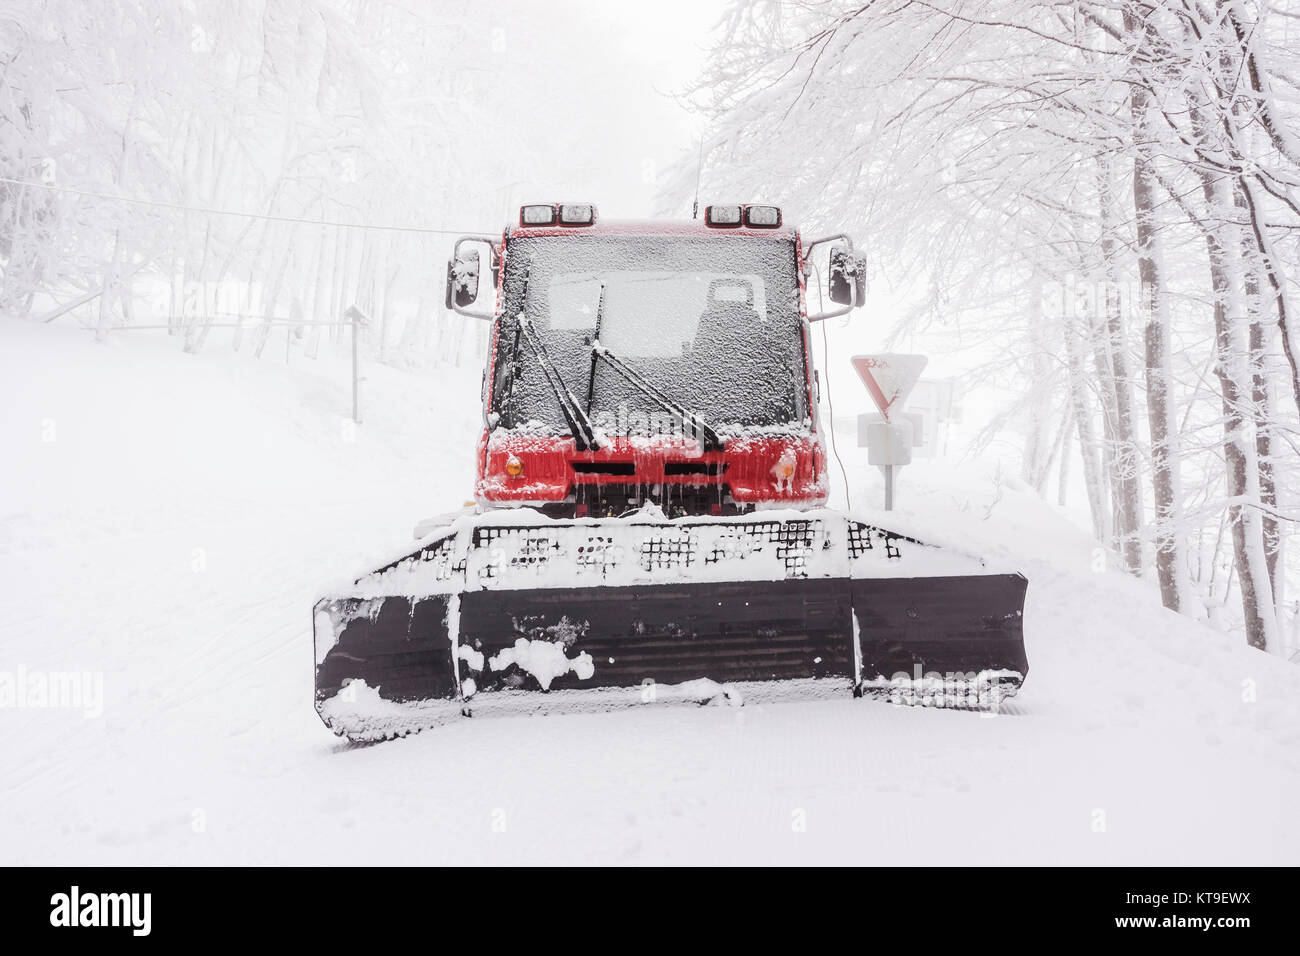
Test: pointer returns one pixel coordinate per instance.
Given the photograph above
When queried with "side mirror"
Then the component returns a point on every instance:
(462, 279)
(848, 277)
(860, 278)
(840, 283)
(846, 274)
(464, 272)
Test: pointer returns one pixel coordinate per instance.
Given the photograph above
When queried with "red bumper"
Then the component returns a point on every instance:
(751, 468)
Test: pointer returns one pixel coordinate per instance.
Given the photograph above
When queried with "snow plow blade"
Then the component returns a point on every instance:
(514, 613)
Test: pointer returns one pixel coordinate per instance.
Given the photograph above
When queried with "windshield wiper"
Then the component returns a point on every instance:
(584, 433)
(595, 337)
(634, 378)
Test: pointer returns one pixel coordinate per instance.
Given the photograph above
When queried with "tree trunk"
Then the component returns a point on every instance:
(320, 296)
(110, 290)
(336, 283)
(413, 332)
(1063, 467)
(1089, 450)
(1125, 471)
(1232, 369)
(273, 295)
(1224, 234)
(1167, 491)
(1261, 400)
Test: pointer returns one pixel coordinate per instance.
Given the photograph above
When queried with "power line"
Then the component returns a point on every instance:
(246, 215)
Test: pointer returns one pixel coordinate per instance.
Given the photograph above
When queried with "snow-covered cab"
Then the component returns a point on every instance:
(664, 362)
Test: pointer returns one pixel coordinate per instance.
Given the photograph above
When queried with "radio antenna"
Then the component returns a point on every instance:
(699, 169)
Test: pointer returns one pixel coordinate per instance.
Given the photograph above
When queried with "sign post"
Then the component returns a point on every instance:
(889, 436)
(358, 320)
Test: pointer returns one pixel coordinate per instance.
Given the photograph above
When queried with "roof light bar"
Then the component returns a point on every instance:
(537, 215)
(762, 217)
(724, 216)
(577, 214)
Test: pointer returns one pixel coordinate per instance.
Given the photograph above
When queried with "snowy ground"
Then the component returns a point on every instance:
(167, 520)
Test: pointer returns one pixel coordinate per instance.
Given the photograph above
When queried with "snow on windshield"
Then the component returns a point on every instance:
(713, 322)
(649, 313)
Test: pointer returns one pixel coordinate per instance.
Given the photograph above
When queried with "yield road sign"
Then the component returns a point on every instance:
(890, 378)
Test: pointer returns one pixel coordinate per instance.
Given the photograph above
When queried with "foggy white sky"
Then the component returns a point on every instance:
(628, 59)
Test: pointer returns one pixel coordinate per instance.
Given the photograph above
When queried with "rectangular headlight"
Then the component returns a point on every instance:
(577, 214)
(537, 215)
(762, 217)
(722, 215)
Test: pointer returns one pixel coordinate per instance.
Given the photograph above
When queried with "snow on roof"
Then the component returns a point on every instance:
(648, 227)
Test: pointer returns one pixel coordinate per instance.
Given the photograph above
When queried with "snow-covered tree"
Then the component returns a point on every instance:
(1106, 190)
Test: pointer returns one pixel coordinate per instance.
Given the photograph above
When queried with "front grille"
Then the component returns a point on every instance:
(707, 468)
(624, 468)
(676, 499)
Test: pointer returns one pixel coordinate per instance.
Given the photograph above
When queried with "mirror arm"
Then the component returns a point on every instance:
(821, 316)
(838, 237)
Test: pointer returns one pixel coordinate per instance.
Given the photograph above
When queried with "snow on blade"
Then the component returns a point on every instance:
(358, 712)
(520, 549)
(544, 660)
(472, 657)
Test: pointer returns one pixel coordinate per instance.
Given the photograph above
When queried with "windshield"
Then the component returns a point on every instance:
(712, 322)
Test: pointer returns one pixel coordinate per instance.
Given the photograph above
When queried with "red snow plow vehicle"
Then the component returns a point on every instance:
(652, 481)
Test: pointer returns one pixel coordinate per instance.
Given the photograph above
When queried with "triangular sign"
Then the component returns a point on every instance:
(890, 378)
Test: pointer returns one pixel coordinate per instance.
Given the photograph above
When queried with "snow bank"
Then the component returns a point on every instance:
(173, 537)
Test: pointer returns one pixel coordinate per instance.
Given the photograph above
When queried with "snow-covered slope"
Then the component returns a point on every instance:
(167, 520)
